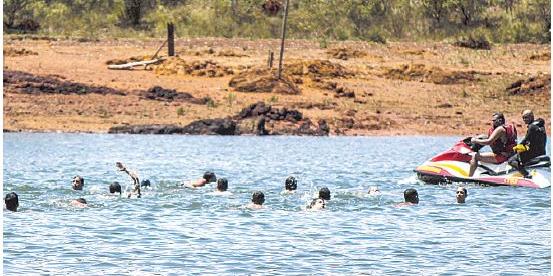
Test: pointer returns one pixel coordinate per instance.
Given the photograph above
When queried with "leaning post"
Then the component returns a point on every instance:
(282, 39)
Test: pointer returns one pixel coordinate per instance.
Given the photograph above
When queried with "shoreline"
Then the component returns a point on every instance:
(356, 89)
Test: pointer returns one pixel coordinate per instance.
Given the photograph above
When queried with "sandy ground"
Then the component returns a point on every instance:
(382, 105)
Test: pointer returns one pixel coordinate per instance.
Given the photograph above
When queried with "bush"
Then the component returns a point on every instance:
(476, 40)
(377, 37)
(180, 111)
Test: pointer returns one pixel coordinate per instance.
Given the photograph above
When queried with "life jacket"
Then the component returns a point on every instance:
(505, 148)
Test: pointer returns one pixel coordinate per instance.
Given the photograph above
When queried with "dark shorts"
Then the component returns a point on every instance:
(524, 157)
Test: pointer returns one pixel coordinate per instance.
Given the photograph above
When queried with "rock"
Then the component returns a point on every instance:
(146, 129)
(200, 127)
(159, 93)
(348, 122)
(211, 127)
(307, 128)
(260, 109)
(323, 128)
(261, 127)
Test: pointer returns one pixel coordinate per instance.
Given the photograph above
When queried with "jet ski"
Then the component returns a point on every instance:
(453, 166)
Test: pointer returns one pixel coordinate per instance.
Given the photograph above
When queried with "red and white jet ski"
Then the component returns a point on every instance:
(453, 166)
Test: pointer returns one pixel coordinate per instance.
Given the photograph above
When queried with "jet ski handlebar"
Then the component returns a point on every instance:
(475, 147)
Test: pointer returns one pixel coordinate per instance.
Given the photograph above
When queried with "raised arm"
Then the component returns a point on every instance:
(134, 177)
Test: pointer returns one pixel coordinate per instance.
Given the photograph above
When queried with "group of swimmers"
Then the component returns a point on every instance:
(411, 196)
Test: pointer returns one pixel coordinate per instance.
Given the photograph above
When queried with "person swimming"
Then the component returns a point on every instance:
(136, 182)
(258, 198)
(77, 183)
(11, 201)
(316, 204)
(291, 184)
(145, 183)
(222, 185)
(115, 187)
(461, 194)
(207, 178)
(324, 193)
(411, 197)
(79, 202)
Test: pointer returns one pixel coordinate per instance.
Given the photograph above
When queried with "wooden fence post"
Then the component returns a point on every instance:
(282, 40)
(170, 39)
(270, 60)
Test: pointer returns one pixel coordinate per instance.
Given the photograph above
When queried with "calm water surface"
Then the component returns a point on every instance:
(179, 231)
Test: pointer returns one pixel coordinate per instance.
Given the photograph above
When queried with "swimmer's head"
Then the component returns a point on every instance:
(12, 201)
(145, 183)
(210, 177)
(258, 198)
(115, 187)
(222, 184)
(291, 183)
(324, 193)
(411, 195)
(461, 194)
(77, 183)
(81, 200)
(316, 204)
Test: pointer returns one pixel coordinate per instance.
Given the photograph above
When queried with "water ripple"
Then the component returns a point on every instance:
(175, 231)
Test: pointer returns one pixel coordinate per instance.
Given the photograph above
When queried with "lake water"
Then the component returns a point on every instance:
(179, 231)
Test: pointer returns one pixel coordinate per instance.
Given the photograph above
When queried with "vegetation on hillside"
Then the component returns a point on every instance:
(372, 20)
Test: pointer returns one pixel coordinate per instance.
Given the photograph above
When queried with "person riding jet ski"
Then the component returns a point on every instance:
(533, 144)
(501, 138)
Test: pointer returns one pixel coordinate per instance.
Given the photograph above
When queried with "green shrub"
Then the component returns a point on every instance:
(211, 103)
(180, 111)
(377, 37)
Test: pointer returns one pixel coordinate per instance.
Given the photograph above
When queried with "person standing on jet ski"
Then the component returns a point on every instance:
(501, 138)
(533, 144)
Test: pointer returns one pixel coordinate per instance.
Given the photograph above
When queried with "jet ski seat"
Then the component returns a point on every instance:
(539, 161)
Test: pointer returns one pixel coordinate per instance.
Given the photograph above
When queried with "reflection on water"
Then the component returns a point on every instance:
(179, 231)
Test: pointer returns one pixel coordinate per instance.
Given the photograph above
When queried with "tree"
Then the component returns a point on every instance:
(436, 10)
(470, 10)
(14, 10)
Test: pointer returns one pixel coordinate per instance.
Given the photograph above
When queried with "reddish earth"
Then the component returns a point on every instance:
(357, 88)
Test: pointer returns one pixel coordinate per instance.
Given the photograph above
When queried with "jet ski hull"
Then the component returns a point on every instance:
(455, 171)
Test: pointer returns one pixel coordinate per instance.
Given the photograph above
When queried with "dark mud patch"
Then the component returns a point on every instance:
(533, 85)
(158, 93)
(12, 52)
(22, 82)
(472, 42)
